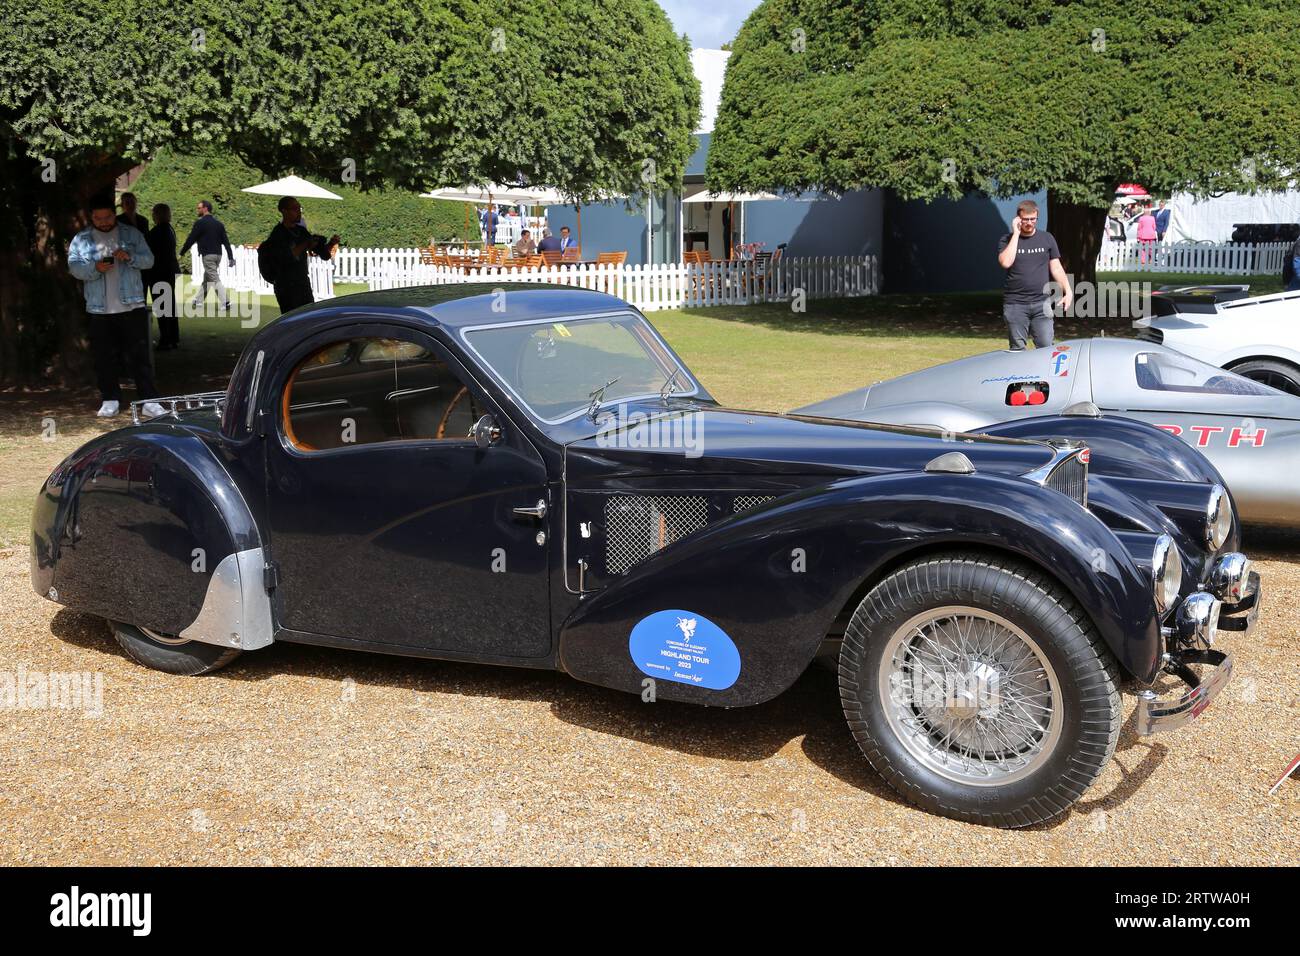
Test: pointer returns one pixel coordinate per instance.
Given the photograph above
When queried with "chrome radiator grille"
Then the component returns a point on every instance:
(745, 502)
(1070, 478)
(637, 526)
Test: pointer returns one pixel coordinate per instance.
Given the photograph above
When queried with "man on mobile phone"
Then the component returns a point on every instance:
(1032, 261)
(107, 257)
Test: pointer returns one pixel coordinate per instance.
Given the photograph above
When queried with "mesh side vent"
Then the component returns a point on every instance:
(745, 502)
(637, 526)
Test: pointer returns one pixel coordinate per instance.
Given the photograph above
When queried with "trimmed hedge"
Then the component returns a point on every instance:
(384, 218)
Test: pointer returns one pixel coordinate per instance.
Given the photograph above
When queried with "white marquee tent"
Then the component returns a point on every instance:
(1211, 220)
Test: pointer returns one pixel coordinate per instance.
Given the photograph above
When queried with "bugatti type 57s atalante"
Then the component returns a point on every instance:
(534, 478)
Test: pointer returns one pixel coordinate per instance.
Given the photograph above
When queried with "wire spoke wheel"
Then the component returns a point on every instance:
(971, 695)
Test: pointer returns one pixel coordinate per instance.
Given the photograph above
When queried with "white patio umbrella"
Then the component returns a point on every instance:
(497, 193)
(706, 196)
(294, 186)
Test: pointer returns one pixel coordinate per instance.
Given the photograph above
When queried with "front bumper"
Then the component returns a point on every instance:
(1157, 715)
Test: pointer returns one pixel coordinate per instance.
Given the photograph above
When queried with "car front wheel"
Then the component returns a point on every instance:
(980, 690)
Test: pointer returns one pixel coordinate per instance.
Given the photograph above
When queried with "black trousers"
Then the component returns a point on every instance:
(290, 295)
(166, 309)
(125, 334)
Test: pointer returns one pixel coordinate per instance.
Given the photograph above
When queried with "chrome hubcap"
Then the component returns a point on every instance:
(971, 695)
(162, 638)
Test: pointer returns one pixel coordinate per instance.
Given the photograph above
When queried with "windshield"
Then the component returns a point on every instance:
(553, 367)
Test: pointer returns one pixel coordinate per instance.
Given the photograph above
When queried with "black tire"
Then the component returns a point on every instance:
(1085, 672)
(188, 659)
(1283, 376)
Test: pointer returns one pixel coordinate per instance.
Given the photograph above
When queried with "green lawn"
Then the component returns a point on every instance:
(760, 357)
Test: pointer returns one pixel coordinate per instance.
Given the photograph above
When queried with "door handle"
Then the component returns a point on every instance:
(536, 512)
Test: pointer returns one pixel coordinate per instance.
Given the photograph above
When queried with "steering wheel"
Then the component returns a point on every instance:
(442, 424)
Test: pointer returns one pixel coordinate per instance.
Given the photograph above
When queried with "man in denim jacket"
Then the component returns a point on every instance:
(107, 257)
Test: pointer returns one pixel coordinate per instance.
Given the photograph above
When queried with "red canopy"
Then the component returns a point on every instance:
(1131, 189)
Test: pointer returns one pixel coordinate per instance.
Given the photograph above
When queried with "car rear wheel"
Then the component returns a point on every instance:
(1278, 375)
(979, 690)
(169, 653)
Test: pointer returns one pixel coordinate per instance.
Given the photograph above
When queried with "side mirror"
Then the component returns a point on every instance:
(486, 432)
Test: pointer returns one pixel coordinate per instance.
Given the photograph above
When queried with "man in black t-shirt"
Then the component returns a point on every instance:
(282, 256)
(1032, 261)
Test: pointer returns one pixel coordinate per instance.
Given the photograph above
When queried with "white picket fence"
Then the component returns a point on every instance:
(362, 265)
(243, 276)
(648, 287)
(1220, 258)
(670, 286)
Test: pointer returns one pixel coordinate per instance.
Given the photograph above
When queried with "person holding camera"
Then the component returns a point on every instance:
(107, 256)
(1032, 260)
(282, 256)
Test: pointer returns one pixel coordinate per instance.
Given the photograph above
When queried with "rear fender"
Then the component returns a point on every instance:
(144, 525)
(775, 578)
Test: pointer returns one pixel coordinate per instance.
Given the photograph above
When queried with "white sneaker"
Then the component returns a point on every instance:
(108, 409)
(151, 410)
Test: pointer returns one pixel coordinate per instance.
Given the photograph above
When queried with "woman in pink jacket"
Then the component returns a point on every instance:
(1146, 235)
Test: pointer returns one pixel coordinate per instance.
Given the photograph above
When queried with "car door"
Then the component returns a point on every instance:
(389, 525)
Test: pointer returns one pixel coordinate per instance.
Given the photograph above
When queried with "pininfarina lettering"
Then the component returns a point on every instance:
(75, 908)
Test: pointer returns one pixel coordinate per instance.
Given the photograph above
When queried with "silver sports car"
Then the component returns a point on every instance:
(1249, 431)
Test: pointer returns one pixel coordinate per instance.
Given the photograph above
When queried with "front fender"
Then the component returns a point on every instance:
(1121, 447)
(775, 578)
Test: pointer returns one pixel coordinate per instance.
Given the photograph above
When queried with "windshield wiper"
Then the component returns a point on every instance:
(597, 395)
(667, 390)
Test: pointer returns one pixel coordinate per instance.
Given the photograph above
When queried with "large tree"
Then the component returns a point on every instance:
(934, 98)
(589, 96)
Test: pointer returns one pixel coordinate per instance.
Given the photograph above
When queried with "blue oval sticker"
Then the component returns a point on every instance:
(685, 647)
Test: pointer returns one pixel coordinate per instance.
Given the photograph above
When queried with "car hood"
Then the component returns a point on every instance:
(707, 439)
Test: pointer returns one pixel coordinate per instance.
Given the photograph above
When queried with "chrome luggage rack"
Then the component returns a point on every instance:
(180, 403)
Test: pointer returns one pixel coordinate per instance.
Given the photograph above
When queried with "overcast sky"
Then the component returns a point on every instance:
(709, 23)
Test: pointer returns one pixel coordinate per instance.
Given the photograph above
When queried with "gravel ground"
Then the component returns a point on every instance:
(297, 755)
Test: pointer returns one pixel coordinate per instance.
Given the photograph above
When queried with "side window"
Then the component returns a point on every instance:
(1170, 372)
(369, 390)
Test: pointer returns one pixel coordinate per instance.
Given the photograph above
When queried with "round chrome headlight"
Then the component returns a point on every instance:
(1218, 518)
(1166, 573)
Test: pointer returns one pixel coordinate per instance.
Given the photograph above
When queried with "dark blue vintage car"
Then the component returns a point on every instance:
(532, 477)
